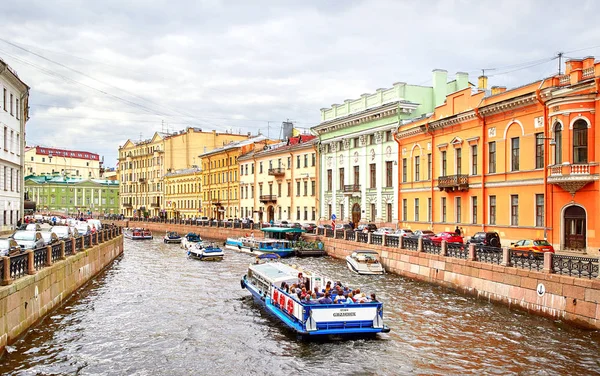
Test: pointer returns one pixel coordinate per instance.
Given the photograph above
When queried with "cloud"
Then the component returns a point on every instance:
(247, 66)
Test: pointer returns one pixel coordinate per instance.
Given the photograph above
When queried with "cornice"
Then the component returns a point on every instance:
(522, 101)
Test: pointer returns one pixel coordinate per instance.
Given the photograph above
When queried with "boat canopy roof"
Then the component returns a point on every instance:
(275, 272)
(282, 229)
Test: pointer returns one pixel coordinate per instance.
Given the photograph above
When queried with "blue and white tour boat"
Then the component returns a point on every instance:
(260, 246)
(206, 251)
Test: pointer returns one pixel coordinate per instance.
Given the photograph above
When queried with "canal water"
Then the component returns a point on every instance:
(156, 312)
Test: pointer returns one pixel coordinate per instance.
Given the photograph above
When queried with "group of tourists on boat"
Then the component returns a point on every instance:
(336, 294)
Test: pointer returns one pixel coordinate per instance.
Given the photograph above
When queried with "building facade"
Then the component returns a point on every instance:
(358, 154)
(71, 163)
(183, 193)
(14, 113)
(73, 195)
(143, 165)
(220, 180)
(520, 162)
(280, 182)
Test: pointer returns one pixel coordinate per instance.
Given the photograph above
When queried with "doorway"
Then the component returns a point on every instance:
(270, 213)
(575, 228)
(356, 214)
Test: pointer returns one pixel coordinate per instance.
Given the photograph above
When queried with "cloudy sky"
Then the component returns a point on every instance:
(102, 72)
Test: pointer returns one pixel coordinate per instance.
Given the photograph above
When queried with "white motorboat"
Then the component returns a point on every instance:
(137, 233)
(206, 251)
(364, 262)
(190, 240)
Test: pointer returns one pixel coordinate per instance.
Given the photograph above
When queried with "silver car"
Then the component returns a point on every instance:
(63, 232)
(29, 239)
(8, 247)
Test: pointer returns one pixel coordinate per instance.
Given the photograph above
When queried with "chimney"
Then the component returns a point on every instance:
(482, 82)
(498, 89)
(440, 79)
(462, 80)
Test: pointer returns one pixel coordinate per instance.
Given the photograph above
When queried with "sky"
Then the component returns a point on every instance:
(103, 72)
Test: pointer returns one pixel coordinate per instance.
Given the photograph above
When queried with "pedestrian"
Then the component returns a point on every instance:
(457, 231)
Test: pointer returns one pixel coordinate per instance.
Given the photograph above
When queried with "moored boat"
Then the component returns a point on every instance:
(364, 262)
(206, 251)
(308, 318)
(172, 237)
(190, 239)
(137, 233)
(260, 246)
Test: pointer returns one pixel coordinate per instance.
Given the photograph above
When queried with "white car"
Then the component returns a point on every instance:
(384, 230)
(63, 232)
(29, 239)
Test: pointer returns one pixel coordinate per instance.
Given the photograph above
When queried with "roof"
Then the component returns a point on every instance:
(58, 179)
(282, 229)
(40, 150)
(185, 171)
(235, 145)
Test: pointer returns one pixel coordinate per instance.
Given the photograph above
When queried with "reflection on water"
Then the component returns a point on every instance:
(156, 312)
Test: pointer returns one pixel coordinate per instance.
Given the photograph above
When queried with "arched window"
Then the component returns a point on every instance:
(580, 148)
(558, 146)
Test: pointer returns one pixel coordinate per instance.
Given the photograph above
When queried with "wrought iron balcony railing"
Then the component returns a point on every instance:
(453, 183)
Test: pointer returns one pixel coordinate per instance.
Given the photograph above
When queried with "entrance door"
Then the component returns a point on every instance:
(356, 214)
(575, 227)
(270, 214)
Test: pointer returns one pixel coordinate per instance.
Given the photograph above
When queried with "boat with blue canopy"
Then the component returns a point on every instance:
(206, 251)
(259, 246)
(190, 239)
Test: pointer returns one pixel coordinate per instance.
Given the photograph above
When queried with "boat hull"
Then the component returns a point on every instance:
(172, 241)
(363, 269)
(210, 256)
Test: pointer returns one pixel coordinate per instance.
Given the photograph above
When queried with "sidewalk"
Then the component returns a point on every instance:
(580, 254)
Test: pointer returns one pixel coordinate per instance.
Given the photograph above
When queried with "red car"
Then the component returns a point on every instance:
(449, 237)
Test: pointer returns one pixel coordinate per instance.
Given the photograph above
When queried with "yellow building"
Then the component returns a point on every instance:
(41, 160)
(144, 164)
(220, 177)
(183, 190)
(279, 183)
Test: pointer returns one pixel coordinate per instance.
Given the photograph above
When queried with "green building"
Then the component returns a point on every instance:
(73, 195)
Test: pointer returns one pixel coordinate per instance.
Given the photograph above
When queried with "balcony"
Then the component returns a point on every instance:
(142, 180)
(154, 205)
(351, 188)
(453, 183)
(277, 172)
(127, 205)
(572, 177)
(268, 198)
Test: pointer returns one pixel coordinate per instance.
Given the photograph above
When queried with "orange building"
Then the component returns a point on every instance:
(520, 162)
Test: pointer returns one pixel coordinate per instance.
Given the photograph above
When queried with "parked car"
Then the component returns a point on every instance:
(95, 222)
(490, 238)
(50, 237)
(449, 237)
(404, 232)
(343, 226)
(29, 239)
(309, 227)
(295, 225)
(63, 232)
(84, 229)
(425, 234)
(532, 245)
(371, 227)
(384, 230)
(33, 227)
(325, 226)
(9, 247)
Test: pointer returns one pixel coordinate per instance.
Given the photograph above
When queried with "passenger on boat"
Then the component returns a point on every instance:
(327, 287)
(318, 293)
(374, 298)
(326, 299)
(350, 298)
(301, 280)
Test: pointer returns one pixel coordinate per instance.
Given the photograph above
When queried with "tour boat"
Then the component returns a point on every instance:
(190, 240)
(308, 320)
(206, 251)
(172, 237)
(137, 233)
(260, 246)
(364, 262)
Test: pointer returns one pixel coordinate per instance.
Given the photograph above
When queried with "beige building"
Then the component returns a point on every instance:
(280, 182)
(183, 193)
(144, 164)
(41, 160)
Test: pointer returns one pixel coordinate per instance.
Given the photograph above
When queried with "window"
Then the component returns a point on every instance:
(492, 157)
(297, 189)
(404, 170)
(514, 210)
(458, 153)
(539, 150)
(373, 212)
(289, 189)
(356, 175)
(492, 210)
(474, 210)
(11, 106)
(474, 160)
(4, 110)
(314, 213)
(514, 154)
(373, 175)
(429, 166)
(329, 180)
(17, 108)
(558, 146)
(417, 168)
(313, 187)
(305, 213)
(6, 140)
(356, 141)
(388, 136)
(297, 161)
(341, 177)
(429, 209)
(416, 210)
(458, 210)
(313, 159)
(297, 213)
(389, 174)
(260, 168)
(404, 209)
(305, 188)
(389, 212)
(539, 210)
(341, 211)
(305, 160)
(444, 163)
(580, 154)
(443, 219)
(371, 138)
(289, 163)
(252, 168)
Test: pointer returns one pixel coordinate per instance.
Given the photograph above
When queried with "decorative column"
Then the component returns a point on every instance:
(6, 275)
(30, 264)
(48, 255)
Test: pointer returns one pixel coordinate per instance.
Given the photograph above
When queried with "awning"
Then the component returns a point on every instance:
(282, 229)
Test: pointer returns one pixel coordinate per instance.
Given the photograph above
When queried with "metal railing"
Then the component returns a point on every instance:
(68, 247)
(377, 239)
(56, 251)
(363, 237)
(432, 247)
(339, 234)
(40, 255)
(457, 250)
(491, 255)
(411, 243)
(329, 233)
(575, 266)
(392, 241)
(18, 265)
(527, 260)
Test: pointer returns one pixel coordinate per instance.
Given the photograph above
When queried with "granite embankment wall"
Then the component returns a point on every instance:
(571, 299)
(25, 301)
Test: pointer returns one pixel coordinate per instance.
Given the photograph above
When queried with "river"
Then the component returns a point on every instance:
(156, 312)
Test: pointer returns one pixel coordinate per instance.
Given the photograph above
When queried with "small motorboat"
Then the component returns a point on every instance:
(137, 233)
(206, 251)
(190, 239)
(364, 262)
(172, 237)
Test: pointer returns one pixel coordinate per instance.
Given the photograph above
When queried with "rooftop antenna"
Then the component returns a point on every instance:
(486, 69)
(140, 136)
(559, 55)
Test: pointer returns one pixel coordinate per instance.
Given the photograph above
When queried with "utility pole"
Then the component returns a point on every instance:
(560, 55)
